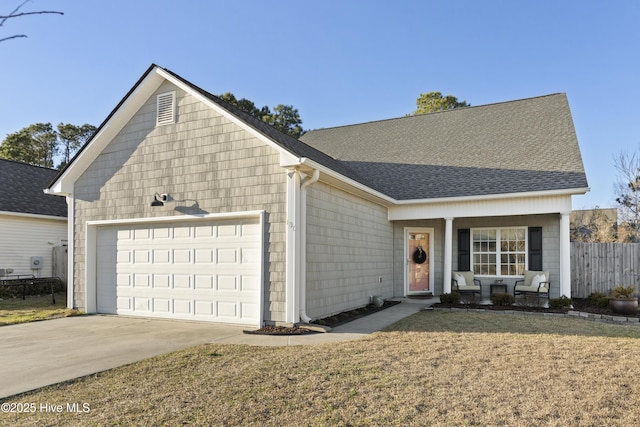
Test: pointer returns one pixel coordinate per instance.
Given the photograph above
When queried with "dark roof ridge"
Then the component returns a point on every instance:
(409, 116)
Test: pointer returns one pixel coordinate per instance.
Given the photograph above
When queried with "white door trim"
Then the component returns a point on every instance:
(407, 257)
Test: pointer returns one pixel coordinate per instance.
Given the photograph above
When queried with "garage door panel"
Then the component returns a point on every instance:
(201, 271)
(181, 281)
(141, 281)
(204, 256)
(204, 281)
(160, 233)
(124, 303)
(162, 305)
(141, 305)
(227, 256)
(204, 308)
(182, 306)
(227, 283)
(250, 283)
(142, 234)
(250, 310)
(160, 281)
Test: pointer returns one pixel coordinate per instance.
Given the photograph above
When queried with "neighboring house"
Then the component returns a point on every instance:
(32, 223)
(184, 207)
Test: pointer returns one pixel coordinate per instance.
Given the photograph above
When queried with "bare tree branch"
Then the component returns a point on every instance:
(12, 37)
(15, 14)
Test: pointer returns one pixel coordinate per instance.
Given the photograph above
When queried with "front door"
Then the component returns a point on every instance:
(419, 261)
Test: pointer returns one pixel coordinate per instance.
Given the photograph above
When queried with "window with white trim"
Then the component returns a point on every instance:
(499, 251)
(166, 108)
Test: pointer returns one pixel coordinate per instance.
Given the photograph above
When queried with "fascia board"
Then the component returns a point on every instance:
(563, 192)
(34, 216)
(528, 204)
(64, 184)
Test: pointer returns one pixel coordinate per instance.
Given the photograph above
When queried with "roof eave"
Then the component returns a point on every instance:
(390, 201)
(483, 197)
(34, 216)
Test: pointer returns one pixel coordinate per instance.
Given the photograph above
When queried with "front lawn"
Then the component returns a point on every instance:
(434, 368)
(33, 308)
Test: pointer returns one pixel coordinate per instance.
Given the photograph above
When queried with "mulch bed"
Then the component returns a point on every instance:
(348, 316)
(280, 330)
(331, 321)
(579, 304)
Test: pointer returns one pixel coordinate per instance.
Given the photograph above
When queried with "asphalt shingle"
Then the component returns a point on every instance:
(510, 147)
(21, 190)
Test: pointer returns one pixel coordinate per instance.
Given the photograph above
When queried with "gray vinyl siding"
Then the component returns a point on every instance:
(203, 158)
(349, 247)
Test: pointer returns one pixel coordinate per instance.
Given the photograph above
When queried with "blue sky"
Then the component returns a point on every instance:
(337, 61)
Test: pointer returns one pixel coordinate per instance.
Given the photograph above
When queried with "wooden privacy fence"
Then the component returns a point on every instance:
(600, 267)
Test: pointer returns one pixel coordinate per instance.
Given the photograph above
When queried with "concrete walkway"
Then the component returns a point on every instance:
(33, 355)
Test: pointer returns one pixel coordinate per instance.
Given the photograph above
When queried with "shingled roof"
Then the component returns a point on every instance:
(21, 190)
(527, 145)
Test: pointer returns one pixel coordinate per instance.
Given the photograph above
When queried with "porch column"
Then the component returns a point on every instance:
(448, 254)
(565, 255)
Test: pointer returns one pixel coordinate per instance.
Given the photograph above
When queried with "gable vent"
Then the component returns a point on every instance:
(165, 108)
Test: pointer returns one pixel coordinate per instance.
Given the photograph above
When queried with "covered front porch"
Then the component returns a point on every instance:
(496, 238)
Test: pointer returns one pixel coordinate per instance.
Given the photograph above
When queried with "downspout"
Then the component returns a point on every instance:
(292, 246)
(71, 245)
(309, 181)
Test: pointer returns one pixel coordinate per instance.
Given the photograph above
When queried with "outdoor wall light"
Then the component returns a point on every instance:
(159, 199)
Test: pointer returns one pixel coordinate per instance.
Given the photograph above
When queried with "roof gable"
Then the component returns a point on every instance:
(21, 190)
(150, 81)
(512, 147)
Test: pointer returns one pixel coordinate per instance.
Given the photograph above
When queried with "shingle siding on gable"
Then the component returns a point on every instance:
(203, 157)
(349, 246)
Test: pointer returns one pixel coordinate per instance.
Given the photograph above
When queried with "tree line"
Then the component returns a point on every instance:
(40, 144)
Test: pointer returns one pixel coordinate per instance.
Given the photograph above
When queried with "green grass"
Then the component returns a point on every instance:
(33, 308)
(431, 369)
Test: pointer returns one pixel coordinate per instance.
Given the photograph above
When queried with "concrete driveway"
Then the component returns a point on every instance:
(33, 355)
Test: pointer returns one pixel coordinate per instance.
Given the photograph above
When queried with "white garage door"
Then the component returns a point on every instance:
(197, 271)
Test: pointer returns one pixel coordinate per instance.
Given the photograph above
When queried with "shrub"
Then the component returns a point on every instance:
(561, 302)
(624, 291)
(452, 298)
(502, 299)
(15, 291)
(598, 299)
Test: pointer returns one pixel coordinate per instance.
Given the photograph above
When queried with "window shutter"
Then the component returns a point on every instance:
(165, 109)
(464, 249)
(535, 248)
